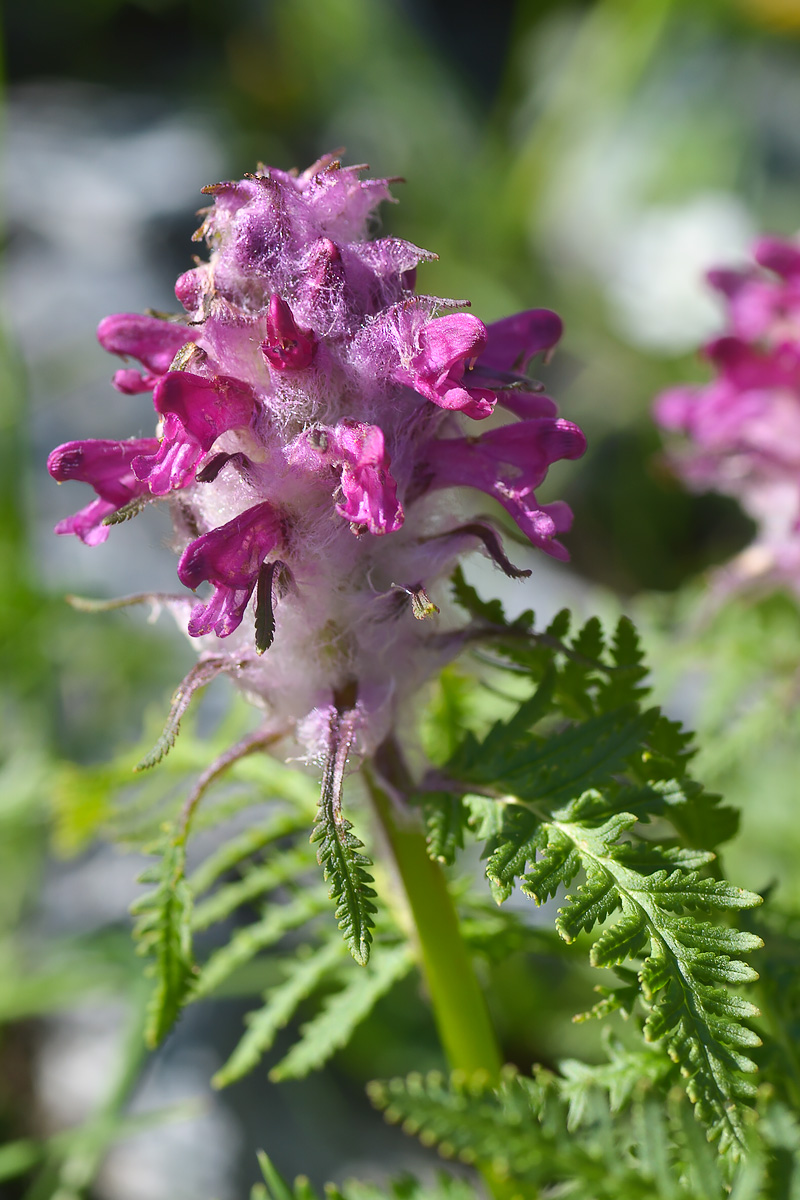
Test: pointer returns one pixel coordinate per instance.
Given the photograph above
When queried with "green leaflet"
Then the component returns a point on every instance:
(246, 943)
(304, 971)
(333, 1027)
(594, 1133)
(445, 818)
(243, 846)
(163, 930)
(576, 776)
(444, 1187)
(259, 878)
(339, 849)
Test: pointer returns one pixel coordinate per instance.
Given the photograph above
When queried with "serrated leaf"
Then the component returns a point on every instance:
(623, 685)
(343, 1012)
(625, 939)
(557, 770)
(277, 920)
(558, 865)
(579, 674)
(465, 595)
(520, 837)
(257, 880)
(232, 852)
(485, 816)
(339, 850)
(445, 819)
(593, 902)
(303, 976)
(163, 931)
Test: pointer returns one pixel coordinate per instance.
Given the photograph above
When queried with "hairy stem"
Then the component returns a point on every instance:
(459, 1008)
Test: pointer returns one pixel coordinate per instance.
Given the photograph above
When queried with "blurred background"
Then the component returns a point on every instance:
(592, 157)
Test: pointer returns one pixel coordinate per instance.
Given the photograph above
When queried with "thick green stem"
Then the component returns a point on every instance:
(459, 1007)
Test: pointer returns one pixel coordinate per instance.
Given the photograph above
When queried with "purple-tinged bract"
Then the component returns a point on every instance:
(314, 437)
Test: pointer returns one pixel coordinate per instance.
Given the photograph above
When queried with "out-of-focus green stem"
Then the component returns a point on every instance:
(459, 1007)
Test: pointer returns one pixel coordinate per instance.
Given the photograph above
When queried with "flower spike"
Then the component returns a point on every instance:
(311, 415)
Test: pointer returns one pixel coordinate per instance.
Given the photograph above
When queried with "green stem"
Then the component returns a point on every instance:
(459, 1008)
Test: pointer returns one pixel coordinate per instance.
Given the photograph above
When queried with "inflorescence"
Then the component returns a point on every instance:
(314, 415)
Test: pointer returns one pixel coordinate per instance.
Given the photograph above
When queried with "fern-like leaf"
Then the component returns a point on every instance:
(700, 1024)
(246, 943)
(339, 850)
(304, 972)
(163, 931)
(445, 818)
(342, 1012)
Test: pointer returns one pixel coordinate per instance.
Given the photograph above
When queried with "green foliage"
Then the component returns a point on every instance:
(303, 973)
(343, 864)
(343, 1011)
(587, 785)
(275, 1187)
(598, 1133)
(338, 853)
(163, 931)
(265, 875)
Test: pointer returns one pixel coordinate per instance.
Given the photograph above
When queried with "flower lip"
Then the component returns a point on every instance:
(152, 340)
(778, 255)
(447, 347)
(512, 342)
(229, 557)
(106, 465)
(508, 464)
(196, 411)
(358, 450)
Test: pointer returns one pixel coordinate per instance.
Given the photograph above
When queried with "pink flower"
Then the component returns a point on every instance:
(448, 347)
(742, 430)
(314, 403)
(508, 464)
(196, 412)
(230, 557)
(286, 346)
(369, 493)
(107, 467)
(153, 341)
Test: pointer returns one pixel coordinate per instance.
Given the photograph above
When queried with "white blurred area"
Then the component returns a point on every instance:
(648, 259)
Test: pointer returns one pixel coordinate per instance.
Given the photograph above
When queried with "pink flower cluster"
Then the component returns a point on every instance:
(744, 426)
(310, 411)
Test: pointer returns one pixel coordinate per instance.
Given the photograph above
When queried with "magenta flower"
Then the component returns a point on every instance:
(742, 430)
(508, 464)
(307, 406)
(369, 493)
(286, 346)
(152, 340)
(230, 558)
(448, 347)
(107, 467)
(196, 412)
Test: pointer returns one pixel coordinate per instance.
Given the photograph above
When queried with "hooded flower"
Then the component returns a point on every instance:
(314, 419)
(107, 467)
(741, 431)
(196, 411)
(507, 464)
(152, 340)
(230, 558)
